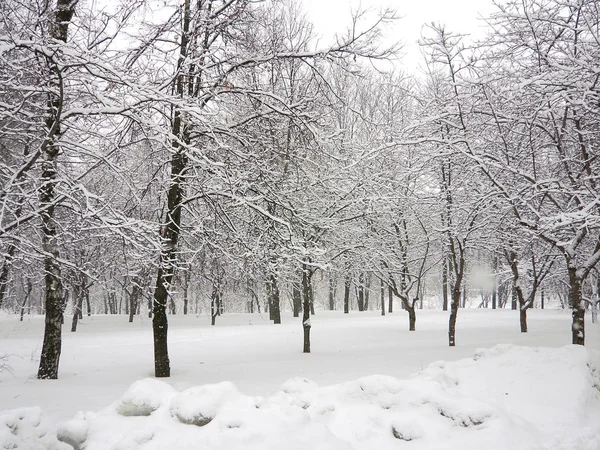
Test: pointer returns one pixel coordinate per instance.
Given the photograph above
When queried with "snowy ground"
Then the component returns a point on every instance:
(505, 398)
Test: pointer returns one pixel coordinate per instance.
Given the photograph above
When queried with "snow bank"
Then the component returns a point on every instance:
(504, 398)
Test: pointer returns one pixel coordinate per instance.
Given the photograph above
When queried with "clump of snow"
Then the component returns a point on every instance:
(73, 432)
(25, 428)
(507, 397)
(144, 397)
(199, 405)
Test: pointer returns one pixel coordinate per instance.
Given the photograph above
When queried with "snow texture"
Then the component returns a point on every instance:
(506, 397)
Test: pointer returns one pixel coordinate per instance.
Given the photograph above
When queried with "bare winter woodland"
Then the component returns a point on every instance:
(162, 157)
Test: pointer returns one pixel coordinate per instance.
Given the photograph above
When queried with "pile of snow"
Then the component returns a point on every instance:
(507, 397)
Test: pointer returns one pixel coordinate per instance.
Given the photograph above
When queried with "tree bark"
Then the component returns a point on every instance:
(274, 299)
(332, 283)
(390, 300)
(412, 317)
(444, 284)
(382, 299)
(27, 297)
(577, 303)
(171, 229)
(347, 285)
(51, 348)
(361, 292)
(297, 298)
(306, 325)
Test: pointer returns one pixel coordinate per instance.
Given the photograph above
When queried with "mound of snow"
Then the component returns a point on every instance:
(25, 428)
(504, 398)
(144, 397)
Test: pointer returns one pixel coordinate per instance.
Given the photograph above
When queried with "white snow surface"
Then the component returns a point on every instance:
(353, 392)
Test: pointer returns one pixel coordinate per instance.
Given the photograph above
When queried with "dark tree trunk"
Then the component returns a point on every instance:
(27, 297)
(367, 290)
(296, 298)
(51, 348)
(186, 281)
(88, 306)
(347, 285)
(361, 292)
(577, 303)
(10, 253)
(495, 288)
(456, 291)
(412, 318)
(542, 299)
(78, 297)
(523, 319)
(332, 284)
(514, 301)
(306, 308)
(445, 284)
(274, 298)
(382, 299)
(134, 297)
(390, 299)
(171, 229)
(453, 314)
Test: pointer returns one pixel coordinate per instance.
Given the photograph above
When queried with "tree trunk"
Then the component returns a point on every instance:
(312, 297)
(51, 348)
(10, 253)
(296, 299)
(361, 292)
(382, 298)
(542, 299)
(453, 314)
(332, 283)
(186, 280)
(274, 298)
(347, 285)
(27, 296)
(306, 308)
(577, 303)
(495, 287)
(412, 317)
(87, 301)
(78, 297)
(390, 299)
(523, 319)
(367, 290)
(171, 229)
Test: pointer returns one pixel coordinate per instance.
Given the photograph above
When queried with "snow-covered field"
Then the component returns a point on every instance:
(369, 383)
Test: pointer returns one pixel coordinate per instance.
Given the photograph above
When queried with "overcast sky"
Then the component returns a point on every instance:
(330, 16)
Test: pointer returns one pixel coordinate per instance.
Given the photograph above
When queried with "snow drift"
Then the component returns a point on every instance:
(507, 397)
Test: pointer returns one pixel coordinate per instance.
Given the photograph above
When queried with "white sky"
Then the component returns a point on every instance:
(461, 16)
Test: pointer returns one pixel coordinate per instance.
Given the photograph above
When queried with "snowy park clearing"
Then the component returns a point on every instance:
(245, 383)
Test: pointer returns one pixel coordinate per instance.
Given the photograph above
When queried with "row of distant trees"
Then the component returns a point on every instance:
(163, 153)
